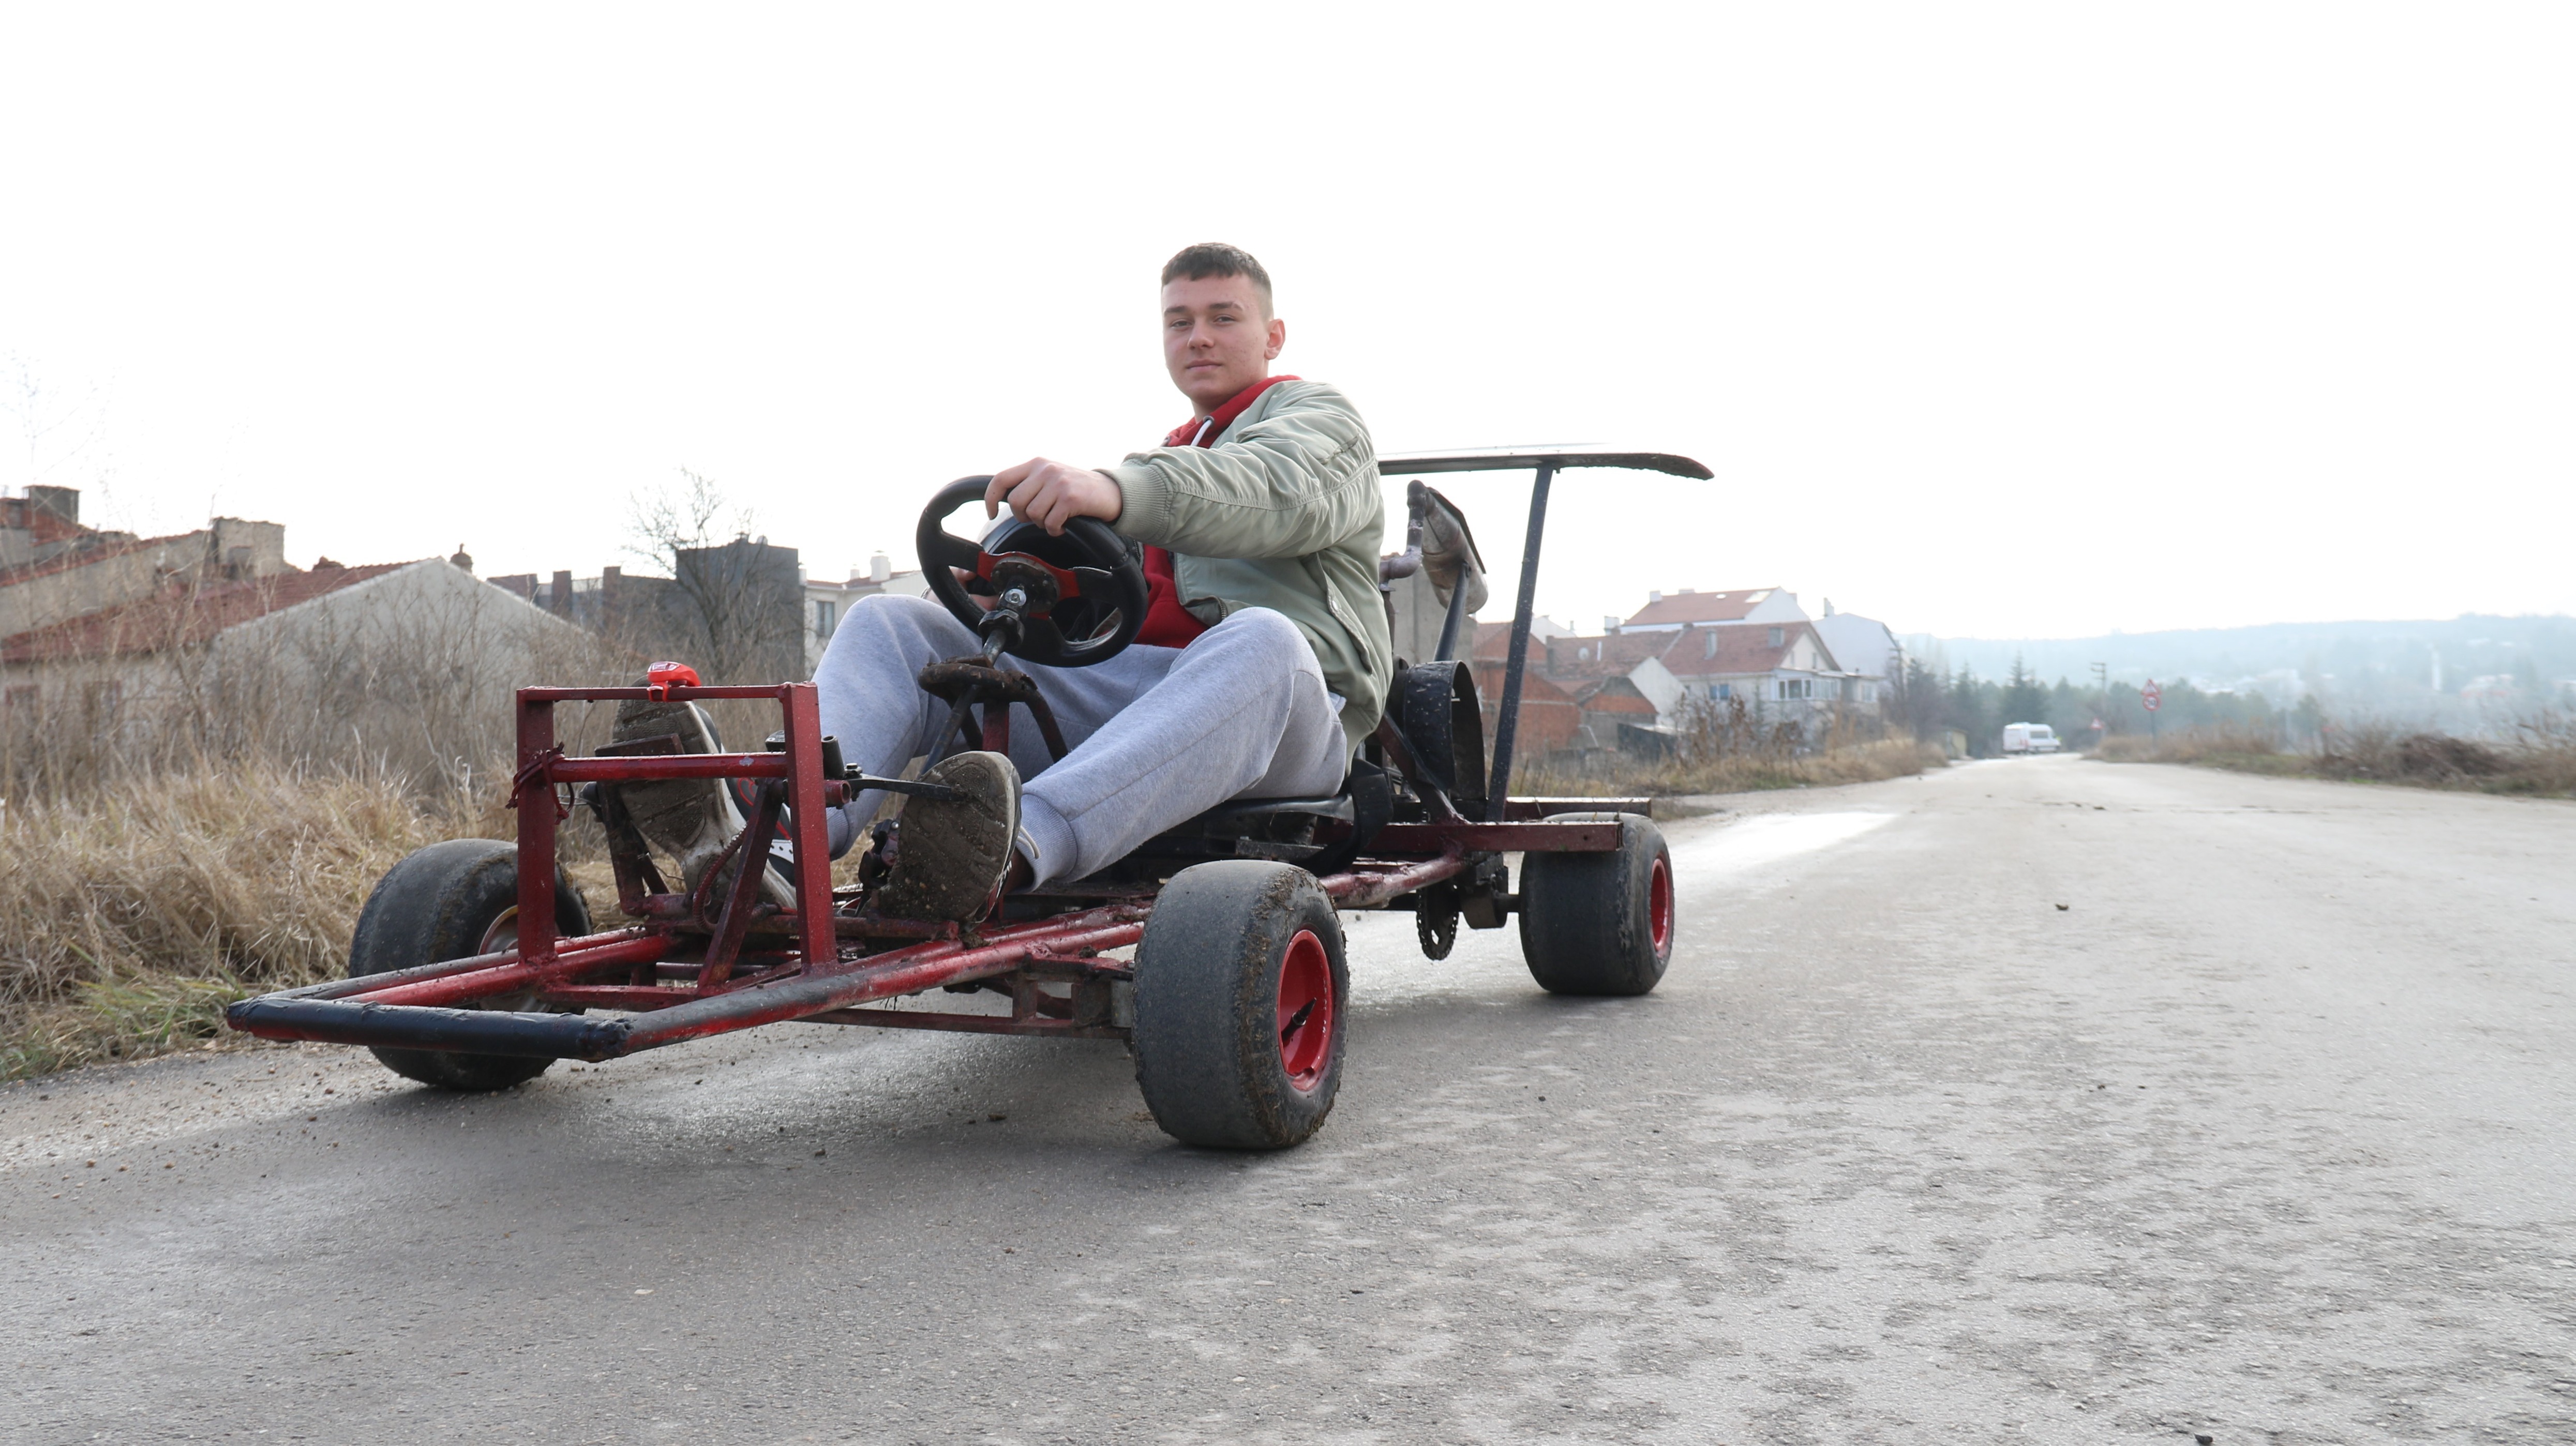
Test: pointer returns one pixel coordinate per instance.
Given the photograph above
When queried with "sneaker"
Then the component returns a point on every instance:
(954, 854)
(689, 819)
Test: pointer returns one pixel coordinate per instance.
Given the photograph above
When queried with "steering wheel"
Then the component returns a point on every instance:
(1069, 613)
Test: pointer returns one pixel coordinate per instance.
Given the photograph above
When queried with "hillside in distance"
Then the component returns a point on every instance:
(2430, 666)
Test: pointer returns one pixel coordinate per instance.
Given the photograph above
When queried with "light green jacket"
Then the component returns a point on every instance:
(1283, 512)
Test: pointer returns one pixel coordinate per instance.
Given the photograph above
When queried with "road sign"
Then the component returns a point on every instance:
(2151, 697)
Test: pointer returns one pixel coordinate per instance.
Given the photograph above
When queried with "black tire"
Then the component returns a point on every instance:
(440, 903)
(1600, 924)
(1217, 1067)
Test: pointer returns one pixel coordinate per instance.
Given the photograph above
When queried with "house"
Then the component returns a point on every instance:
(1779, 671)
(1610, 712)
(1580, 693)
(610, 603)
(52, 567)
(1866, 646)
(738, 611)
(412, 658)
(1550, 720)
(827, 602)
(1751, 606)
(40, 525)
(1853, 661)
(1781, 663)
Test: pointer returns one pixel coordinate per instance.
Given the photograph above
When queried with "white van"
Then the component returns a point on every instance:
(2029, 738)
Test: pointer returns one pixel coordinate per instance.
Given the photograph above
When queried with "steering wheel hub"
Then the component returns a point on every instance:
(1077, 608)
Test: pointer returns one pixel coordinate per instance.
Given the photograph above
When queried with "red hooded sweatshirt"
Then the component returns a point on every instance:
(1167, 623)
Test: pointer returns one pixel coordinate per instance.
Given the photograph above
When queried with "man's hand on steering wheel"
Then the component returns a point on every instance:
(1062, 604)
(1052, 494)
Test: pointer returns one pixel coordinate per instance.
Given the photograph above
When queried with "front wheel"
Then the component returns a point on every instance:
(1600, 923)
(1242, 1005)
(454, 900)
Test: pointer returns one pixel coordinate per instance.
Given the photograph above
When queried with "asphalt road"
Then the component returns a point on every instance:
(2043, 1100)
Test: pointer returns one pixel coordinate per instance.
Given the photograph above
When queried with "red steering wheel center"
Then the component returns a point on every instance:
(1306, 1013)
(1067, 585)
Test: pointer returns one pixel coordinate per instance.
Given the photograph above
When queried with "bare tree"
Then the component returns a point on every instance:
(733, 606)
(61, 436)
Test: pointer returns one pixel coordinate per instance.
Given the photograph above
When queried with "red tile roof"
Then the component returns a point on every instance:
(1738, 650)
(1700, 607)
(180, 615)
(1492, 640)
(1619, 652)
(1686, 652)
(1613, 695)
(79, 556)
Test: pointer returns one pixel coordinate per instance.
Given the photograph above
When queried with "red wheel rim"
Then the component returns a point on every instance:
(1659, 906)
(1306, 1019)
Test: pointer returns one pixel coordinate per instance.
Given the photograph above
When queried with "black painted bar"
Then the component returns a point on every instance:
(1517, 661)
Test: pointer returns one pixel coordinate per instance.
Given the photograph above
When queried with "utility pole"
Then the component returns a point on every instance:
(2102, 705)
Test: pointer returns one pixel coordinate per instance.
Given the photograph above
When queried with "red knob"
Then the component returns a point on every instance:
(661, 678)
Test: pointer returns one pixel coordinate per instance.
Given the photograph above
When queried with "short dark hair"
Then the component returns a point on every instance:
(1215, 258)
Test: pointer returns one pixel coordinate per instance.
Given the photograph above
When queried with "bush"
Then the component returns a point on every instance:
(131, 916)
(2539, 759)
(187, 824)
(1726, 748)
(2193, 745)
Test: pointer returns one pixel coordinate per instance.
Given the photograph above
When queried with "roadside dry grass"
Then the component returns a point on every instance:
(1740, 772)
(2245, 749)
(133, 912)
(131, 916)
(186, 826)
(2540, 757)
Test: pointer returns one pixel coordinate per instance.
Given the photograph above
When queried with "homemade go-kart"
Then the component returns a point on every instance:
(470, 972)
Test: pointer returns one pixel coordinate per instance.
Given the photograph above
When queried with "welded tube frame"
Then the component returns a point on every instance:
(417, 1007)
(1516, 662)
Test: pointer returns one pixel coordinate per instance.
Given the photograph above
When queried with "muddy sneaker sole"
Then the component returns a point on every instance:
(954, 852)
(689, 819)
(674, 814)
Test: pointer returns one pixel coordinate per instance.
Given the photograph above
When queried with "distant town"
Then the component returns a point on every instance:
(99, 613)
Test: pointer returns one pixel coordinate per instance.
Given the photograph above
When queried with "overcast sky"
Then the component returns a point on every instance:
(1992, 321)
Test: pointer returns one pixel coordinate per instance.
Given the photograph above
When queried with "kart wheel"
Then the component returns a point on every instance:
(1600, 923)
(1242, 1006)
(454, 900)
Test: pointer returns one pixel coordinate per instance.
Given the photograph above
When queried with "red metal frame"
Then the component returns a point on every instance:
(825, 965)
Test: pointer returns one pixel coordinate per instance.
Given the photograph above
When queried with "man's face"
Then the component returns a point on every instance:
(1217, 339)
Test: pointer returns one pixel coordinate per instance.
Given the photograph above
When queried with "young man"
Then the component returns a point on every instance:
(1261, 664)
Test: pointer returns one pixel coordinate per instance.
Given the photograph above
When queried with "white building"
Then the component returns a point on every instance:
(1865, 646)
(827, 602)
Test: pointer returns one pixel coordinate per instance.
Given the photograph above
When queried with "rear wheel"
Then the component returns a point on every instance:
(1600, 923)
(1242, 1001)
(455, 900)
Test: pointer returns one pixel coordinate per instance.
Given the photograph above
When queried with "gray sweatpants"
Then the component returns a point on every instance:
(1157, 735)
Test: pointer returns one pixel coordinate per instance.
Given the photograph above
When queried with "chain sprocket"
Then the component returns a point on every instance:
(1435, 920)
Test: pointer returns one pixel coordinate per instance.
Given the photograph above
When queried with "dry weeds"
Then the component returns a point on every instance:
(2241, 746)
(185, 826)
(1734, 772)
(131, 916)
(2539, 758)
